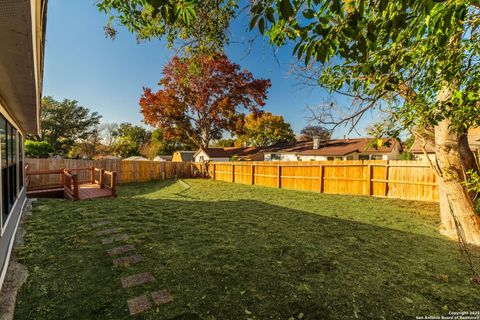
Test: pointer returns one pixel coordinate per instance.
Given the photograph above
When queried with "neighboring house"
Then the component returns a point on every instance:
(22, 35)
(418, 152)
(136, 158)
(245, 153)
(335, 149)
(162, 158)
(183, 156)
(211, 154)
(107, 158)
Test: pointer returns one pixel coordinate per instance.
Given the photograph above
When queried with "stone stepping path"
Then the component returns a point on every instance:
(162, 297)
(127, 261)
(142, 303)
(115, 239)
(137, 279)
(120, 250)
(138, 305)
(101, 223)
(107, 232)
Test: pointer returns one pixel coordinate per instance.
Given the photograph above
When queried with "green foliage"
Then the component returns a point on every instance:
(38, 149)
(406, 155)
(64, 123)
(158, 145)
(199, 25)
(128, 140)
(402, 52)
(472, 184)
(224, 143)
(264, 129)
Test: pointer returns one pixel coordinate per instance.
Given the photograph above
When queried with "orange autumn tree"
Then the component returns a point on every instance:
(201, 97)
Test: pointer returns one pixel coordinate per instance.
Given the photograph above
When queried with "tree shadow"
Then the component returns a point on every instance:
(247, 259)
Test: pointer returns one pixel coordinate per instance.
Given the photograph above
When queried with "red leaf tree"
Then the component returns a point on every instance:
(201, 97)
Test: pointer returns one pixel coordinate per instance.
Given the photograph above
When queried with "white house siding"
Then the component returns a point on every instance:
(202, 156)
(280, 157)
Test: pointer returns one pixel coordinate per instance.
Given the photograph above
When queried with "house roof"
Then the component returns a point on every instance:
(136, 158)
(473, 141)
(213, 152)
(335, 147)
(163, 158)
(22, 35)
(342, 147)
(185, 155)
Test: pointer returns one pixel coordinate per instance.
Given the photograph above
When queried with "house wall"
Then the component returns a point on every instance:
(280, 157)
(176, 157)
(10, 214)
(202, 156)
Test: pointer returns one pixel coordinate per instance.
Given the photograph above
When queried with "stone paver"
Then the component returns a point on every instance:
(107, 232)
(101, 223)
(137, 279)
(127, 261)
(138, 305)
(162, 297)
(120, 250)
(114, 239)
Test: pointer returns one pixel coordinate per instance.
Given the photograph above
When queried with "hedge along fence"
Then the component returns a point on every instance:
(127, 171)
(412, 180)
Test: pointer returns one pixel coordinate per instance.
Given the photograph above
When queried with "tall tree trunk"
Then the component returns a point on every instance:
(451, 190)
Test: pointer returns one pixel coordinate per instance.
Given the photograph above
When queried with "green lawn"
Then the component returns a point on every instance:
(228, 251)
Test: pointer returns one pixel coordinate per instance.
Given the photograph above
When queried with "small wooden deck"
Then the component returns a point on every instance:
(102, 184)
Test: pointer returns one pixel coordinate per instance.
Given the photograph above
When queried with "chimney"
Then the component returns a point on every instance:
(316, 142)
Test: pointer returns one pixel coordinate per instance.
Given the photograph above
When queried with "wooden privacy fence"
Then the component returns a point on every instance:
(127, 171)
(412, 180)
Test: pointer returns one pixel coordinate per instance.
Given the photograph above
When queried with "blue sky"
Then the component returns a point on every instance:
(107, 75)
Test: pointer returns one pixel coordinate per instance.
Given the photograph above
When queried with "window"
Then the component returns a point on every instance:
(3, 146)
(330, 158)
(11, 146)
(376, 157)
(21, 167)
(201, 158)
(349, 158)
(363, 157)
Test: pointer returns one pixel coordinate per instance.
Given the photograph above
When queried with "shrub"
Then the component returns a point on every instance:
(38, 149)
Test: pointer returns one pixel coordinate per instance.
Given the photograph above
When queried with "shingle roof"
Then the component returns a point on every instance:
(473, 142)
(342, 147)
(214, 152)
(335, 147)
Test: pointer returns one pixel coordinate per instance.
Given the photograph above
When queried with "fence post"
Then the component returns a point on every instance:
(279, 176)
(92, 175)
(253, 175)
(102, 178)
(386, 178)
(76, 193)
(214, 171)
(369, 185)
(321, 178)
(113, 185)
(233, 172)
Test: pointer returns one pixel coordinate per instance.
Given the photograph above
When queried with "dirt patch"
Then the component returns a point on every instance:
(16, 274)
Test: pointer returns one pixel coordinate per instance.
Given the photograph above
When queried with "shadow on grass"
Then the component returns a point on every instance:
(243, 259)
